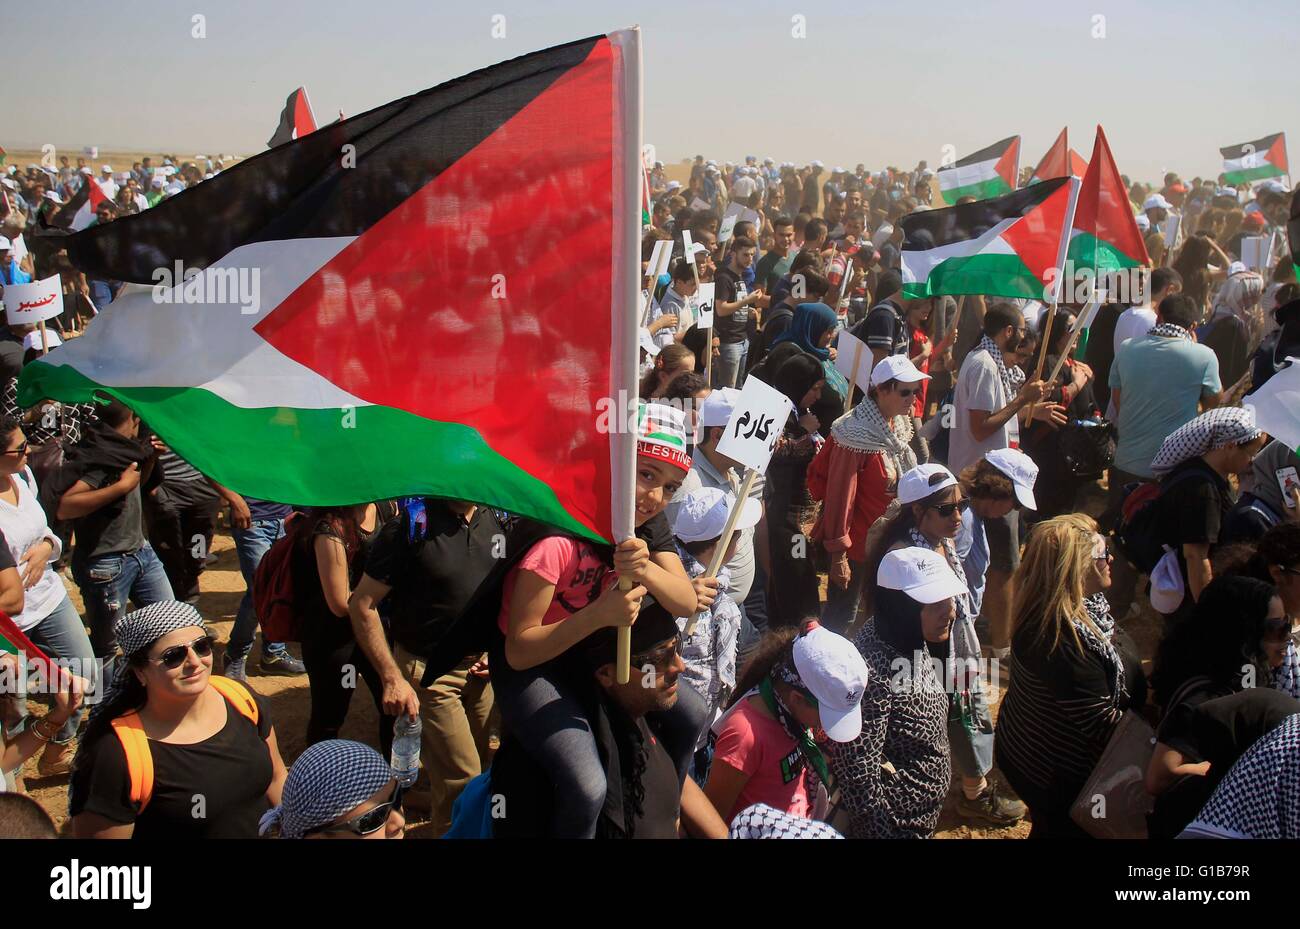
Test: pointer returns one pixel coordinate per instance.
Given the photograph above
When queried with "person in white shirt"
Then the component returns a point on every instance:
(1137, 321)
(48, 617)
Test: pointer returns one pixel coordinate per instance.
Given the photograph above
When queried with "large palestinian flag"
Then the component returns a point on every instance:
(989, 172)
(1059, 161)
(443, 313)
(1003, 247)
(1255, 161)
(296, 119)
(79, 211)
(1105, 236)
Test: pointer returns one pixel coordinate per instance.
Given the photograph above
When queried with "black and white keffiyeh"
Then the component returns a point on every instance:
(965, 642)
(1228, 425)
(864, 429)
(1259, 798)
(1286, 676)
(761, 821)
(1169, 331)
(988, 345)
(326, 781)
(1102, 646)
(1098, 608)
(138, 630)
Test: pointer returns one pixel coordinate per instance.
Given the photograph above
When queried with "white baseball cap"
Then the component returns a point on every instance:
(704, 511)
(1018, 466)
(106, 169)
(834, 672)
(158, 181)
(718, 406)
(920, 573)
(5, 244)
(898, 368)
(9, 182)
(922, 481)
(818, 164)
(674, 185)
(1157, 201)
(1167, 589)
(53, 195)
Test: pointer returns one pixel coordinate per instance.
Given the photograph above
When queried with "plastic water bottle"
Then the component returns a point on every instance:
(406, 749)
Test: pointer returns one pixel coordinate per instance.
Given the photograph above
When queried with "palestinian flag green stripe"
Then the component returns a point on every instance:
(1000, 275)
(992, 187)
(1088, 251)
(323, 457)
(1263, 172)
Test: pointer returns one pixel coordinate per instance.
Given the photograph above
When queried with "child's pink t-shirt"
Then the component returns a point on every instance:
(756, 744)
(578, 573)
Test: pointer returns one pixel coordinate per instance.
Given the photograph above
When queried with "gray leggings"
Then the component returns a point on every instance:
(539, 709)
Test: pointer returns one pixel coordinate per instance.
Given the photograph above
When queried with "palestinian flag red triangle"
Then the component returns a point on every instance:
(296, 120)
(79, 210)
(445, 314)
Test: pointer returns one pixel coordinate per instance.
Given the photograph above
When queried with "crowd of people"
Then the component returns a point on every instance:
(913, 603)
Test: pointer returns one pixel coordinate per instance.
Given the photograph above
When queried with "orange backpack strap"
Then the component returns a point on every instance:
(238, 696)
(139, 759)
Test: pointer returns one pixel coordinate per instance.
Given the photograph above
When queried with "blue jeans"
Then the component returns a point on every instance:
(972, 748)
(108, 581)
(730, 368)
(251, 544)
(62, 635)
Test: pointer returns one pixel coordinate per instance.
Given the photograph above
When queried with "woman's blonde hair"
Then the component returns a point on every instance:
(1049, 583)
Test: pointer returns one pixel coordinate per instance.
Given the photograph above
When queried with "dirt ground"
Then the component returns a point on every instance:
(222, 588)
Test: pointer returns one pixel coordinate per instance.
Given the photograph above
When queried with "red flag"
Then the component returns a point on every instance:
(296, 120)
(1106, 236)
(13, 641)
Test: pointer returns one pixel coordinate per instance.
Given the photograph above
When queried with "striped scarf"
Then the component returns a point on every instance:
(1286, 676)
(1098, 608)
(1169, 331)
(988, 345)
(1103, 647)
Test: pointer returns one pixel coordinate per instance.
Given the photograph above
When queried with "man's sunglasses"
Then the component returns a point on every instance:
(662, 657)
(947, 509)
(172, 658)
(908, 391)
(367, 823)
(19, 451)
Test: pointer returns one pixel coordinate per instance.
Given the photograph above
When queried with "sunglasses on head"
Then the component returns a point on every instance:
(947, 509)
(172, 658)
(367, 823)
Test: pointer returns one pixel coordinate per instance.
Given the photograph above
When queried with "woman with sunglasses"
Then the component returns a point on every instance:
(1239, 637)
(1069, 685)
(930, 512)
(338, 790)
(174, 751)
(45, 613)
(855, 475)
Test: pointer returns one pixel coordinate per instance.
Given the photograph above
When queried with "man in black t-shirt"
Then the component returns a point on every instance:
(885, 328)
(426, 565)
(732, 303)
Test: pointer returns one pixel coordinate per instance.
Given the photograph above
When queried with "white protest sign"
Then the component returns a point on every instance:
(1173, 224)
(648, 156)
(1256, 251)
(729, 220)
(33, 303)
(758, 419)
(704, 306)
(688, 247)
(665, 259)
(657, 258)
(849, 348)
(697, 204)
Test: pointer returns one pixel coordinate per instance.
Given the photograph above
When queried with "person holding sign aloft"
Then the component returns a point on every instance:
(565, 589)
(856, 475)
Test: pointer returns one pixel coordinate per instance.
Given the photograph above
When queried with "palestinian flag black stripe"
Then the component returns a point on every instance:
(305, 191)
(934, 228)
(296, 120)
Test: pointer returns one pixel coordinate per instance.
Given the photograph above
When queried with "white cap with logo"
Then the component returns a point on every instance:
(921, 573)
(704, 511)
(896, 368)
(834, 672)
(718, 406)
(922, 481)
(1022, 470)
(1157, 202)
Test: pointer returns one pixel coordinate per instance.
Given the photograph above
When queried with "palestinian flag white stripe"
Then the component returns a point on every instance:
(959, 176)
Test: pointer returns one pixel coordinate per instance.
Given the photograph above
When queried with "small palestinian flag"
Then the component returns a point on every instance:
(296, 120)
(1004, 247)
(1105, 236)
(1255, 161)
(448, 316)
(990, 172)
(1060, 161)
(14, 642)
(79, 211)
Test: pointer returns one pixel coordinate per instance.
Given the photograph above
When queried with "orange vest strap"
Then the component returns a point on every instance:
(139, 760)
(135, 744)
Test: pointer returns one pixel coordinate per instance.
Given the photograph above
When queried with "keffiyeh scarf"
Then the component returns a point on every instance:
(1286, 676)
(1169, 331)
(1229, 425)
(1098, 608)
(139, 629)
(761, 821)
(988, 345)
(1260, 796)
(864, 429)
(963, 675)
(1103, 647)
(326, 781)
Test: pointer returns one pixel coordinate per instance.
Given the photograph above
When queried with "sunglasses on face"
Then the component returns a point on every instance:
(1278, 630)
(172, 658)
(19, 451)
(947, 509)
(908, 391)
(367, 823)
(662, 657)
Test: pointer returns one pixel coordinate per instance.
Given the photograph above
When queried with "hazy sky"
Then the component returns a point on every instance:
(880, 83)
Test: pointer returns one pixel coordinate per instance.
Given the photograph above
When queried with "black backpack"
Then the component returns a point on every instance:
(1135, 533)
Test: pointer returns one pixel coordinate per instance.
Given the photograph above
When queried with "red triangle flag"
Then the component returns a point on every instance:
(1104, 214)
